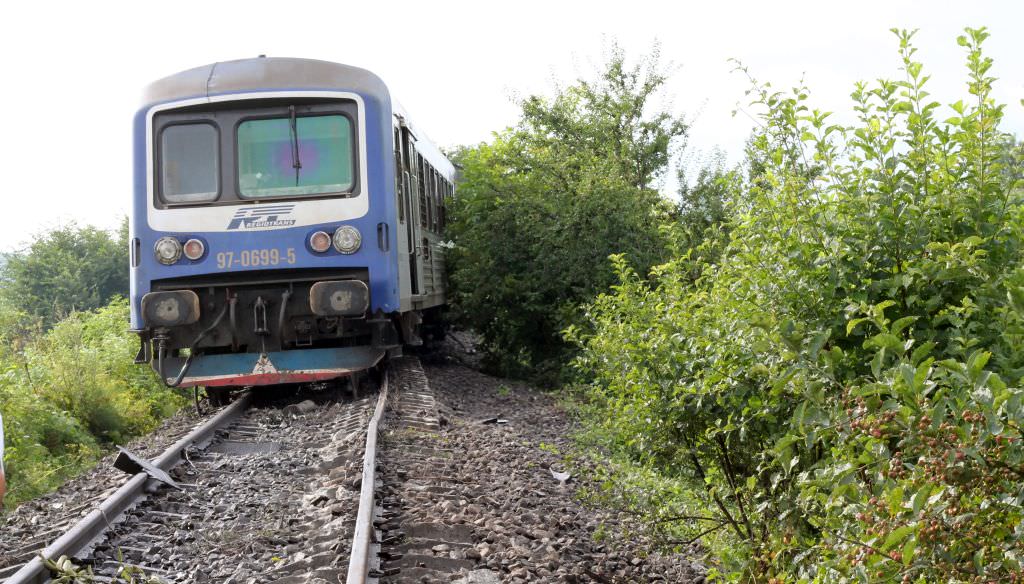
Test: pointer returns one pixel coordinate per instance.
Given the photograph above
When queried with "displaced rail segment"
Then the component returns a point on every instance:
(475, 489)
(415, 408)
(416, 477)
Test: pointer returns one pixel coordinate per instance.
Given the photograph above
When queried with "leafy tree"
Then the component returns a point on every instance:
(68, 268)
(541, 207)
(837, 394)
(700, 217)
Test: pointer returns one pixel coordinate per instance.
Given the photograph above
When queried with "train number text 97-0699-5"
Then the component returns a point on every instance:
(254, 258)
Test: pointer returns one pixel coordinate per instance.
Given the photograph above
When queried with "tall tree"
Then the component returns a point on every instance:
(65, 269)
(542, 206)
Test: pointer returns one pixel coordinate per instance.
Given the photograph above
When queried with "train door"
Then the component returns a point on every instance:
(410, 187)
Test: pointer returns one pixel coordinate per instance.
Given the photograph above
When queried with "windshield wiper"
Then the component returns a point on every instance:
(296, 162)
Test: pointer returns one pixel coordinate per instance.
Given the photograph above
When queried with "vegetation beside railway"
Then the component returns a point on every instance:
(823, 380)
(540, 208)
(69, 389)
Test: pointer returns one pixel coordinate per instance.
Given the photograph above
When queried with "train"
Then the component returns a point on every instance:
(286, 225)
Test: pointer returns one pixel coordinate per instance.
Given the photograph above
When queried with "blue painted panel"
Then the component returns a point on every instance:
(343, 359)
(382, 266)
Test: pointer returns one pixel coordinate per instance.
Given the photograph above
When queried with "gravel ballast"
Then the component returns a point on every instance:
(468, 495)
(476, 500)
(33, 524)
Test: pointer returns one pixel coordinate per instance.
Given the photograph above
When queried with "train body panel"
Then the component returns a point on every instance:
(214, 151)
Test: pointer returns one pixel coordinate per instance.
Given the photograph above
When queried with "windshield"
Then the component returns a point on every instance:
(189, 163)
(291, 156)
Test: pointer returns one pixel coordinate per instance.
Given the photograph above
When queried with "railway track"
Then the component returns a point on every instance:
(255, 494)
(307, 494)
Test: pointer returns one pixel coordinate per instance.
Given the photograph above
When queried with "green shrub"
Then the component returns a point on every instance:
(839, 384)
(71, 394)
(44, 445)
(85, 365)
(540, 209)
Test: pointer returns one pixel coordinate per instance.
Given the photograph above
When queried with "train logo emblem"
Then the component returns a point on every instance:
(263, 216)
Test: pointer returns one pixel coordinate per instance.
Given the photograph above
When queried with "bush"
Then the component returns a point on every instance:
(70, 394)
(117, 399)
(840, 385)
(43, 444)
(540, 209)
(67, 269)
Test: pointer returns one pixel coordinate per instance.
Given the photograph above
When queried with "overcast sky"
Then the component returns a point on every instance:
(72, 72)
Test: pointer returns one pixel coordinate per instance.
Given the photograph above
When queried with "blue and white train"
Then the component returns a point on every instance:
(286, 225)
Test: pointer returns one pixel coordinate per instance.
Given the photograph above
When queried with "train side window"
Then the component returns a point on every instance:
(422, 191)
(447, 189)
(437, 202)
(398, 176)
(439, 198)
(430, 198)
(189, 163)
(433, 201)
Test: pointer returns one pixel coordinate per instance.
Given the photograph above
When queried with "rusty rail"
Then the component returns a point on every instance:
(359, 561)
(99, 519)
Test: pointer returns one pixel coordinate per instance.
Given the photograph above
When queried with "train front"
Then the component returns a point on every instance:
(262, 227)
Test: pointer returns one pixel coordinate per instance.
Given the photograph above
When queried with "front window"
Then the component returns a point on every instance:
(189, 163)
(283, 157)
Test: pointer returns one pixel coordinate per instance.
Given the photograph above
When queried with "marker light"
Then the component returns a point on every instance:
(320, 241)
(347, 239)
(168, 250)
(194, 249)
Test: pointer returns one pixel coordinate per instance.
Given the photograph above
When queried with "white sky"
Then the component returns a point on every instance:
(73, 71)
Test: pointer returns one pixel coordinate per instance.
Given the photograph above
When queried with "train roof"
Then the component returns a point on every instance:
(283, 73)
(264, 73)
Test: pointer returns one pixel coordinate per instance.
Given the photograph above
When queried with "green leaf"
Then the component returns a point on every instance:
(817, 343)
(922, 373)
(852, 324)
(885, 341)
(896, 536)
(876, 364)
(921, 497)
(899, 325)
(921, 352)
(895, 499)
(976, 362)
(908, 551)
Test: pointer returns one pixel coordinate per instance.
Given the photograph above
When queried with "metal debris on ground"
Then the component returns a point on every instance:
(561, 477)
(303, 407)
(132, 464)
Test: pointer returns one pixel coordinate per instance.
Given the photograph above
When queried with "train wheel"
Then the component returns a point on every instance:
(435, 327)
(355, 382)
(219, 396)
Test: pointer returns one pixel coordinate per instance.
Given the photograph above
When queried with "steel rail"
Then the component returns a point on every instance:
(100, 518)
(359, 561)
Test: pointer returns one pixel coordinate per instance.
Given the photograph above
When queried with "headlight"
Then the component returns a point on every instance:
(194, 249)
(347, 239)
(320, 242)
(174, 308)
(168, 250)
